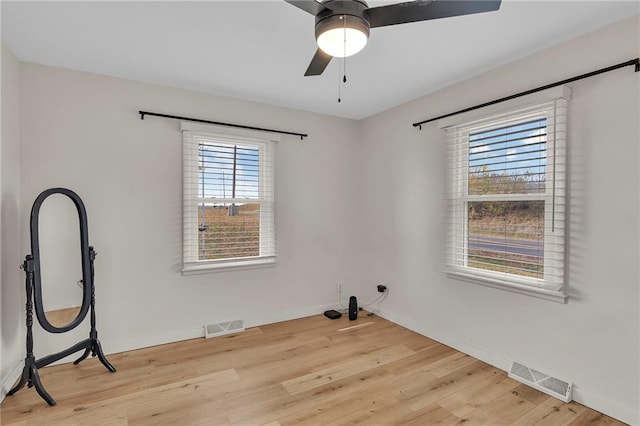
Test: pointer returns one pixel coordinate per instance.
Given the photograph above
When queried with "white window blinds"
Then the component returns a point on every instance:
(506, 198)
(228, 211)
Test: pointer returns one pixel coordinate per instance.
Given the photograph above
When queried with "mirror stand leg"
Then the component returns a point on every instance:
(35, 380)
(24, 378)
(83, 356)
(96, 348)
(30, 376)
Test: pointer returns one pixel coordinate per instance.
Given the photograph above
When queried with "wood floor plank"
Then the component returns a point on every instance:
(357, 398)
(433, 414)
(345, 369)
(551, 412)
(530, 394)
(377, 411)
(504, 410)
(329, 394)
(185, 401)
(591, 417)
(343, 411)
(307, 371)
(449, 364)
(425, 393)
(477, 395)
(158, 402)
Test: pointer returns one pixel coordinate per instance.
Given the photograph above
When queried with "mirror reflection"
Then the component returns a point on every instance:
(60, 260)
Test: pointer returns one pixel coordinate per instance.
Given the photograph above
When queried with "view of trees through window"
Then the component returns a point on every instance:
(229, 216)
(507, 176)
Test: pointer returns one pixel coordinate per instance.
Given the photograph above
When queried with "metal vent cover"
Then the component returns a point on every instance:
(543, 382)
(222, 328)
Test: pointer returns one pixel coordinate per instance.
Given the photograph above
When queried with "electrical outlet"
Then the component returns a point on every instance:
(338, 288)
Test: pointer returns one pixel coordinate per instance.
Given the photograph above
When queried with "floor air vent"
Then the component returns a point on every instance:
(222, 328)
(543, 382)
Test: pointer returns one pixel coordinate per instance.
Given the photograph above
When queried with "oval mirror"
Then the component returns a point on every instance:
(61, 301)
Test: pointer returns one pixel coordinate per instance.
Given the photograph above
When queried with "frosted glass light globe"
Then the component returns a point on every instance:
(342, 42)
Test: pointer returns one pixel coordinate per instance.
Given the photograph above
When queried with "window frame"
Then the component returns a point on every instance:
(265, 143)
(458, 197)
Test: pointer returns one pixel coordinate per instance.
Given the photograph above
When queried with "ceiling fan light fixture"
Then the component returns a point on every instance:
(340, 38)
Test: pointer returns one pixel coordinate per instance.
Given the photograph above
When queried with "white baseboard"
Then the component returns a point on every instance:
(606, 406)
(474, 351)
(279, 316)
(113, 346)
(7, 382)
(582, 396)
(165, 337)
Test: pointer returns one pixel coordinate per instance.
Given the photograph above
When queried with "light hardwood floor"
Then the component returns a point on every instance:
(307, 371)
(62, 317)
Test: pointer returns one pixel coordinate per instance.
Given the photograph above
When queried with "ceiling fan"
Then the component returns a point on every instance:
(342, 26)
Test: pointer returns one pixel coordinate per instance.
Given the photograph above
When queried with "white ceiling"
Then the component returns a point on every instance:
(260, 50)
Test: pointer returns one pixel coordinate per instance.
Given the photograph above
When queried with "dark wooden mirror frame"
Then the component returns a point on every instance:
(87, 278)
(33, 285)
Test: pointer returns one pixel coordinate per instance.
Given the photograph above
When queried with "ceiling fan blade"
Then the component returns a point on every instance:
(318, 63)
(310, 6)
(420, 10)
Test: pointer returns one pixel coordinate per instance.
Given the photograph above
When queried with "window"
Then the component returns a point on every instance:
(506, 198)
(228, 218)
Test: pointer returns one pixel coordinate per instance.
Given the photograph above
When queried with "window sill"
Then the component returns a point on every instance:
(557, 296)
(197, 268)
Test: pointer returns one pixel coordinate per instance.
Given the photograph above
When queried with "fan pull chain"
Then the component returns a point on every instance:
(342, 67)
(339, 100)
(344, 58)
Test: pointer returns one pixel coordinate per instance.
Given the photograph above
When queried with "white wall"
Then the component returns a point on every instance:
(82, 131)
(12, 285)
(594, 339)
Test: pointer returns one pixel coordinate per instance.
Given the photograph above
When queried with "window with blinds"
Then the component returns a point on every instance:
(228, 201)
(507, 199)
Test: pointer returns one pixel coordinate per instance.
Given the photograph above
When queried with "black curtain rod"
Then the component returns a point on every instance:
(635, 62)
(239, 126)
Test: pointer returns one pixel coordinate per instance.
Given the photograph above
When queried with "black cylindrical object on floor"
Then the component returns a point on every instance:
(353, 308)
